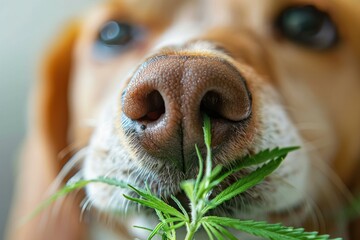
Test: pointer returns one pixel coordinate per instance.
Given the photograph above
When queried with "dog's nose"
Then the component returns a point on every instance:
(168, 95)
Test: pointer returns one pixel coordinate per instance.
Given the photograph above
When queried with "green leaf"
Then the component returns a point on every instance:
(207, 130)
(147, 203)
(176, 226)
(143, 228)
(245, 183)
(61, 193)
(215, 232)
(160, 215)
(257, 159)
(265, 230)
(172, 220)
(167, 220)
(224, 231)
(112, 182)
(188, 187)
(154, 202)
(201, 170)
(156, 230)
(207, 185)
(180, 206)
(208, 231)
(207, 139)
(215, 172)
(265, 155)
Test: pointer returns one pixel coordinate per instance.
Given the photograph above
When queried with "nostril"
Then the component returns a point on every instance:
(231, 105)
(143, 103)
(211, 104)
(155, 107)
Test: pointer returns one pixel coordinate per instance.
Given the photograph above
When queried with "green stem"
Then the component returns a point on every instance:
(191, 231)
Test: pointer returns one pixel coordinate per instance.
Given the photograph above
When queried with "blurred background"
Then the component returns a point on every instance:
(26, 28)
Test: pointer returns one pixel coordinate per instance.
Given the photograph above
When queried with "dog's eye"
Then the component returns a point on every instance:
(115, 37)
(115, 34)
(307, 26)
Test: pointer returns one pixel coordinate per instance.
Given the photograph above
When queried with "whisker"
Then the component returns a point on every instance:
(316, 214)
(56, 208)
(68, 167)
(333, 179)
(85, 207)
(68, 150)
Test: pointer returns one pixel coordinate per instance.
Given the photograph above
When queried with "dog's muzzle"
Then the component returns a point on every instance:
(168, 95)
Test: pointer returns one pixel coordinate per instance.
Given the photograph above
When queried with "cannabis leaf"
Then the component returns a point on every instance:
(199, 190)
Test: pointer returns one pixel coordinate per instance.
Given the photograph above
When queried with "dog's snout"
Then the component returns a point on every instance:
(168, 95)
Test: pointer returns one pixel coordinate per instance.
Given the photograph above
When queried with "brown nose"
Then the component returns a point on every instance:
(168, 95)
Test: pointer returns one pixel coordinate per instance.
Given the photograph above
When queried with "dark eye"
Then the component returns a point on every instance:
(308, 26)
(115, 37)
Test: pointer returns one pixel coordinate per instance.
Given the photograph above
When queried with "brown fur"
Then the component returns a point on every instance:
(56, 124)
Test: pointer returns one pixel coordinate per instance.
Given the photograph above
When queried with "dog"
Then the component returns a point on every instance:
(124, 88)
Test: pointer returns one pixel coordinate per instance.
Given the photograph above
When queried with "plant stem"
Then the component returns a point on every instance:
(191, 229)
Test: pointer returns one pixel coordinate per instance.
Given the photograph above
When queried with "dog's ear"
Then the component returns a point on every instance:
(47, 136)
(52, 92)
